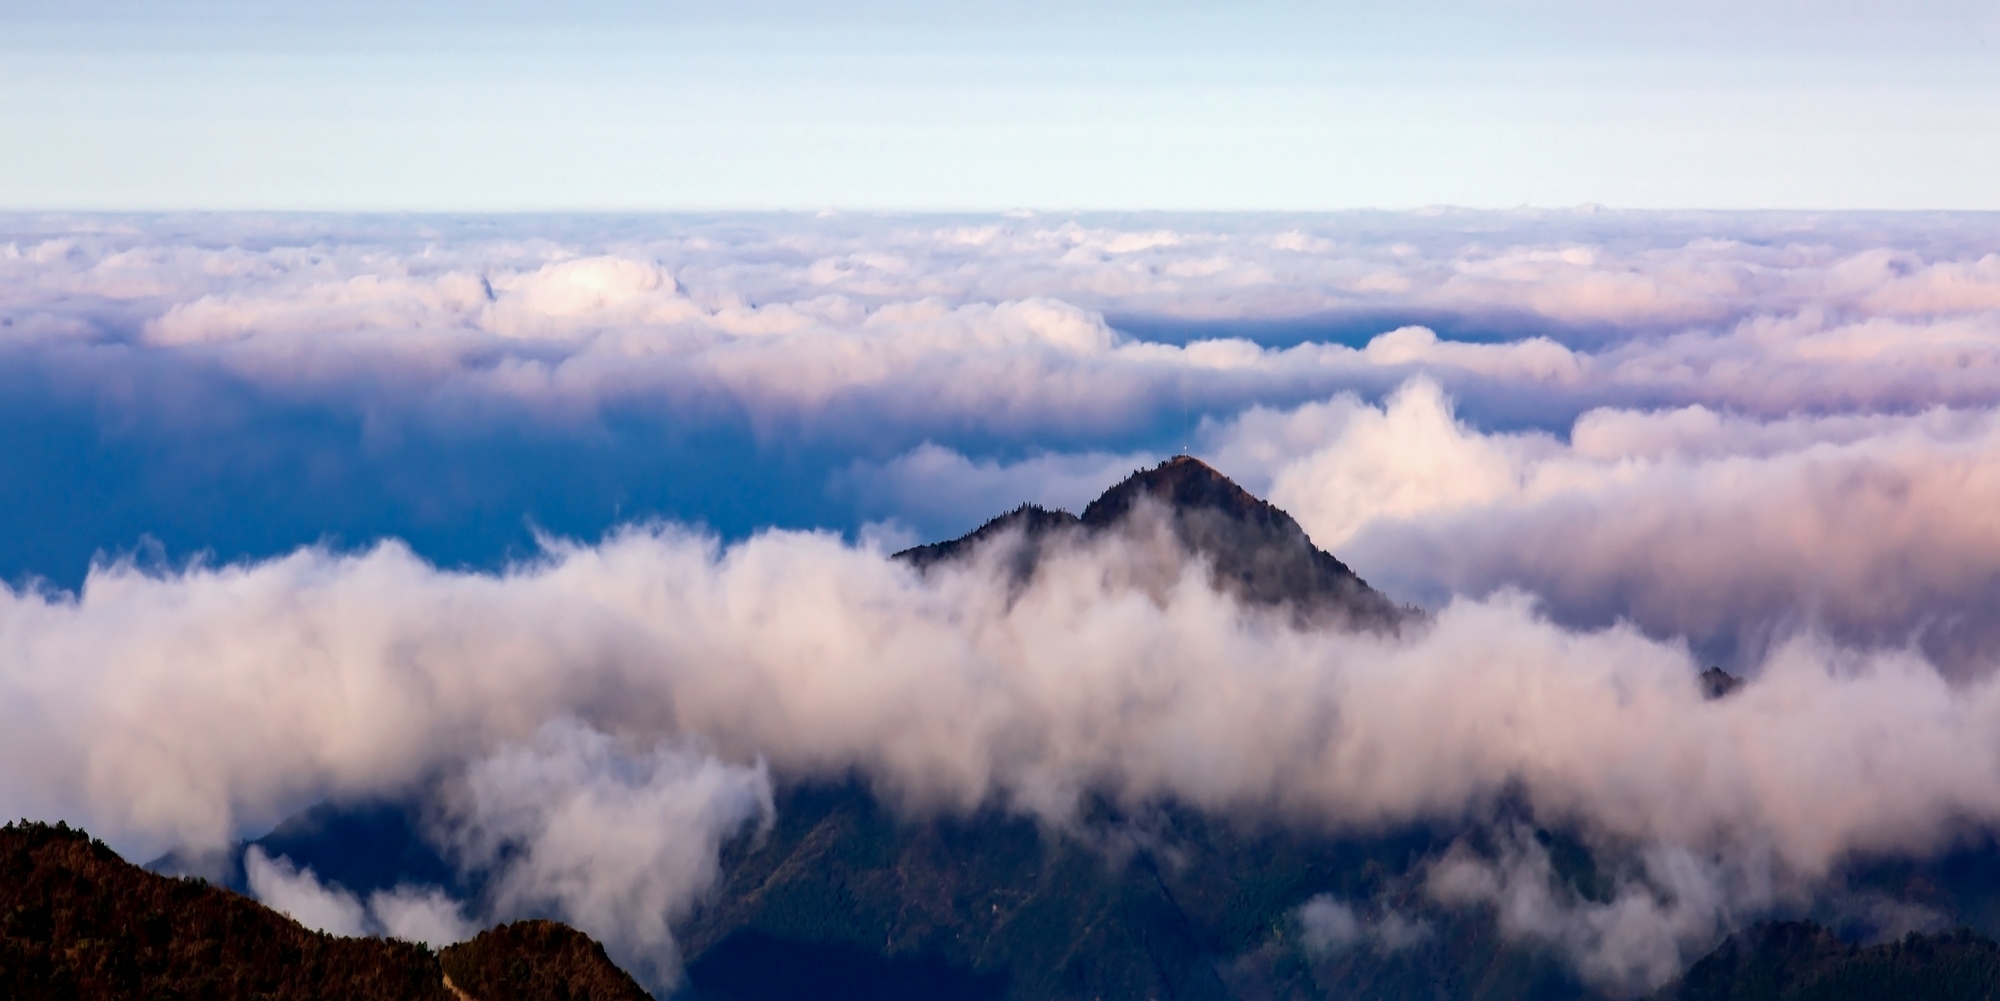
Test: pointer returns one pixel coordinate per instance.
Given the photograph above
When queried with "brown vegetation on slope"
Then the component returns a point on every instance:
(78, 922)
(536, 961)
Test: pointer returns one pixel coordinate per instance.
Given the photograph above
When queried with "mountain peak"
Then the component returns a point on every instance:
(1258, 552)
(1182, 482)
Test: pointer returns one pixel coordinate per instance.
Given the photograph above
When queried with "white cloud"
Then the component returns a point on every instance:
(1536, 359)
(616, 840)
(571, 298)
(412, 913)
(618, 843)
(420, 914)
(1640, 938)
(1687, 521)
(299, 894)
(226, 696)
(1406, 459)
(814, 322)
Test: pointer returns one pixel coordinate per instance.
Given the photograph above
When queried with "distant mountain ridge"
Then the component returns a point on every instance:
(1259, 554)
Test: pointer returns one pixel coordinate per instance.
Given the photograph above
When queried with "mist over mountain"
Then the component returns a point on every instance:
(422, 574)
(1256, 553)
(848, 885)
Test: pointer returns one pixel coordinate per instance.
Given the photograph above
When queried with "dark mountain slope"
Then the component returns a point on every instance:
(842, 899)
(1800, 961)
(1032, 521)
(536, 961)
(78, 923)
(1258, 552)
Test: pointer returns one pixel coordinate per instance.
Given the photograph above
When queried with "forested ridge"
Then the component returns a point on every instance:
(79, 923)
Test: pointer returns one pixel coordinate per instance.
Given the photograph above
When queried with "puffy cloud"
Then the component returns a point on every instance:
(616, 843)
(299, 895)
(1642, 934)
(617, 840)
(1001, 329)
(210, 358)
(365, 302)
(562, 298)
(1537, 359)
(412, 913)
(1899, 283)
(225, 696)
(420, 914)
(1408, 458)
(1815, 361)
(1689, 522)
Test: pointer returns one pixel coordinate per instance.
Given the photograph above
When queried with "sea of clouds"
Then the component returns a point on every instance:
(585, 523)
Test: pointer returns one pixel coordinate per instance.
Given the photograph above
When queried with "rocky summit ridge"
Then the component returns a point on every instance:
(1258, 553)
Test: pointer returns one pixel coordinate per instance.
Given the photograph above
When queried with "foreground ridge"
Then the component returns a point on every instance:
(536, 959)
(78, 923)
(1801, 960)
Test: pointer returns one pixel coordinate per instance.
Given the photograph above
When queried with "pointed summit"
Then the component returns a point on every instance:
(1182, 483)
(1258, 552)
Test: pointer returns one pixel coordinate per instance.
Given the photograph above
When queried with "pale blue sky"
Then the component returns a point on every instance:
(125, 104)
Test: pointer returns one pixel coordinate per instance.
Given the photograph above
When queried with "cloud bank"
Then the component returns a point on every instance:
(559, 515)
(186, 708)
(430, 379)
(1731, 531)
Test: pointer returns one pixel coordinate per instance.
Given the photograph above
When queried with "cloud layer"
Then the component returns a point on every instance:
(360, 377)
(559, 515)
(1731, 531)
(189, 707)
